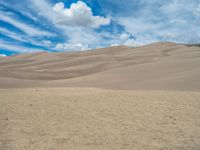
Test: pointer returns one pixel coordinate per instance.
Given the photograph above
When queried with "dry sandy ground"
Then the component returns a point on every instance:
(144, 98)
(94, 119)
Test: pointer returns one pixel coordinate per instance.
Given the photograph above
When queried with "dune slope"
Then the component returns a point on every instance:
(159, 66)
(107, 99)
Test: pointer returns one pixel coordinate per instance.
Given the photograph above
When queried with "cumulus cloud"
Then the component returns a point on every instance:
(127, 39)
(124, 36)
(79, 14)
(69, 47)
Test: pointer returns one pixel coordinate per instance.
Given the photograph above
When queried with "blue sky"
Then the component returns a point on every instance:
(70, 25)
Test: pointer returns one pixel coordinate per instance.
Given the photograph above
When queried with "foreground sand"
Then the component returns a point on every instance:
(96, 119)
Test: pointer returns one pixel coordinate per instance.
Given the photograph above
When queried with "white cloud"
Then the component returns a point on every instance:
(24, 38)
(68, 47)
(160, 20)
(47, 43)
(17, 48)
(42, 8)
(3, 55)
(73, 32)
(79, 14)
(28, 29)
(124, 36)
(11, 34)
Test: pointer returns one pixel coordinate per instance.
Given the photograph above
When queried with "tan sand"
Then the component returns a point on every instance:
(160, 66)
(144, 98)
(92, 119)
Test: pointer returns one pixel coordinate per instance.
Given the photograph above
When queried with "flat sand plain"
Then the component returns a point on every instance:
(119, 98)
(96, 119)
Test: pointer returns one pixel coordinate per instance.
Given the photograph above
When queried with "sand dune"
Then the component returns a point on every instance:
(158, 66)
(106, 99)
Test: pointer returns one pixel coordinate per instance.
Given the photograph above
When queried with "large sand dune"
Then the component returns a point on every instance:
(160, 66)
(118, 98)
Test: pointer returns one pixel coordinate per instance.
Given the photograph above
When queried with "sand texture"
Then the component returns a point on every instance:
(160, 66)
(118, 98)
(93, 119)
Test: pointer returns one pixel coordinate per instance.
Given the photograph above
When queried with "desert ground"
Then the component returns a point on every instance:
(142, 98)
